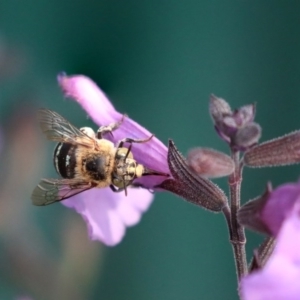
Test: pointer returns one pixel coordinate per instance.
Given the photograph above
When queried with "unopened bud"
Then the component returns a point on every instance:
(235, 127)
(244, 115)
(218, 108)
(250, 214)
(191, 187)
(209, 163)
(246, 137)
(281, 151)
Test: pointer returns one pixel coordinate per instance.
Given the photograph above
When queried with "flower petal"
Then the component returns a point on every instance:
(107, 214)
(130, 209)
(281, 202)
(152, 154)
(280, 277)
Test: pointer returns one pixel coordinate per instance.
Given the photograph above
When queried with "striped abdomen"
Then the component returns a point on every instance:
(64, 160)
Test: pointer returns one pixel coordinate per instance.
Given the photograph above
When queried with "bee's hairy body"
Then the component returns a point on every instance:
(102, 166)
(85, 160)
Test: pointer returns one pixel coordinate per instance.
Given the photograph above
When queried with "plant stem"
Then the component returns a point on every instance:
(227, 214)
(237, 239)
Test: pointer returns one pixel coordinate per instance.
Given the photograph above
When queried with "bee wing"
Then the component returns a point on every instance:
(49, 191)
(59, 129)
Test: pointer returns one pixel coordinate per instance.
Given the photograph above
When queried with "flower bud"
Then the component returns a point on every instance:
(235, 127)
(284, 150)
(218, 108)
(191, 187)
(209, 163)
(246, 137)
(244, 115)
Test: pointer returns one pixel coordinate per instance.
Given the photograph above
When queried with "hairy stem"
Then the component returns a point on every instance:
(227, 214)
(237, 239)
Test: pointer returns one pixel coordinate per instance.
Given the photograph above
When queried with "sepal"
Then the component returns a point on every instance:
(250, 214)
(191, 187)
(281, 151)
(262, 254)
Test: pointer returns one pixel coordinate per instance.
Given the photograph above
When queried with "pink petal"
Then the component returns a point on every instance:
(130, 210)
(289, 237)
(152, 154)
(87, 93)
(107, 214)
(280, 277)
(281, 202)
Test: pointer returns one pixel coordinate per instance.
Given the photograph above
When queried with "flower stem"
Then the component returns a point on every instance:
(227, 214)
(237, 239)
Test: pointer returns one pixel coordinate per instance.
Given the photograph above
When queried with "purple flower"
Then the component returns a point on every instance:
(281, 202)
(280, 277)
(267, 212)
(107, 213)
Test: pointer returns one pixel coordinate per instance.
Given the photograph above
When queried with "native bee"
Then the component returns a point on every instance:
(86, 160)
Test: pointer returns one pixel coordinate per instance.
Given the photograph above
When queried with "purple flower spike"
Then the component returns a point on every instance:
(280, 277)
(107, 213)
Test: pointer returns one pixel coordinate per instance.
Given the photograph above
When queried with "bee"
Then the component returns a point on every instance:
(85, 160)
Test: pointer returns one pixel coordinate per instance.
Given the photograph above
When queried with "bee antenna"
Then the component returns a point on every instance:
(128, 151)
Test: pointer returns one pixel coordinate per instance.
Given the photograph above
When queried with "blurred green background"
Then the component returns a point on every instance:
(158, 61)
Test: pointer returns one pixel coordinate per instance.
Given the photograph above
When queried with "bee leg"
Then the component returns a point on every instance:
(115, 190)
(139, 185)
(109, 128)
(133, 185)
(131, 141)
